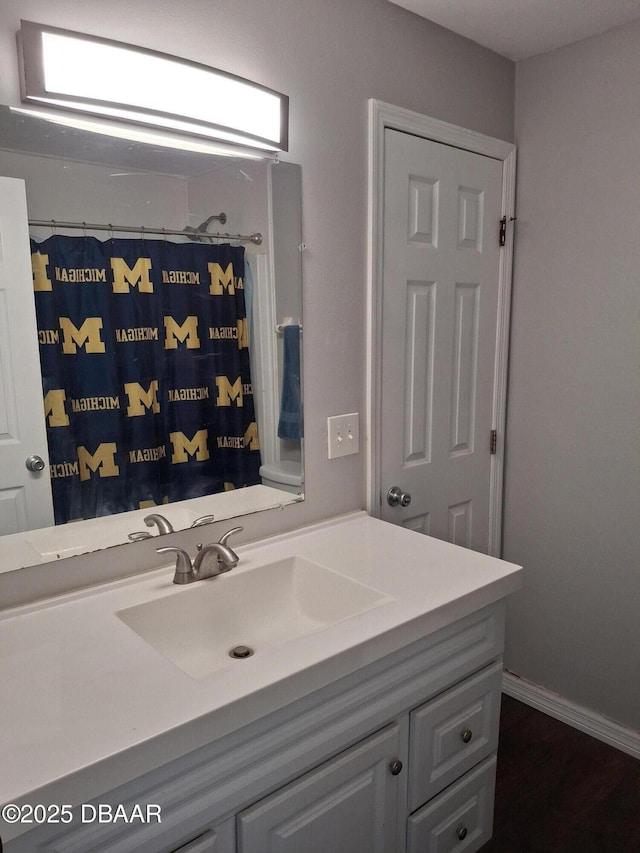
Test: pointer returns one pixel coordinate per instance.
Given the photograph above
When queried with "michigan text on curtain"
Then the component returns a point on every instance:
(145, 364)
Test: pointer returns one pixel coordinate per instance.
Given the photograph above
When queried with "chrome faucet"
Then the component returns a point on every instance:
(164, 525)
(211, 560)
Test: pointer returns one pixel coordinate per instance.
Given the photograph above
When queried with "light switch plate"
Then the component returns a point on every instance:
(344, 435)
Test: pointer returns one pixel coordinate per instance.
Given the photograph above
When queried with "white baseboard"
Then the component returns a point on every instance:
(594, 724)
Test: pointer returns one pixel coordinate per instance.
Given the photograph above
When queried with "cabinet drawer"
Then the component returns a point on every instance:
(452, 733)
(460, 820)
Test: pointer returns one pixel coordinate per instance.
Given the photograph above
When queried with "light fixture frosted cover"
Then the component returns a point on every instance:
(92, 75)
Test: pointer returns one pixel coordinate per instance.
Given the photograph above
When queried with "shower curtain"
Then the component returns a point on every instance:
(145, 370)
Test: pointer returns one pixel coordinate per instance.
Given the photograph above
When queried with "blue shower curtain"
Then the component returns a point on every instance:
(145, 369)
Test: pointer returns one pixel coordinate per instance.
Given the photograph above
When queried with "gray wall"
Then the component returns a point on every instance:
(329, 56)
(572, 508)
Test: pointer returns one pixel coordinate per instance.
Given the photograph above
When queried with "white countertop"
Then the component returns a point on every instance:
(51, 544)
(87, 704)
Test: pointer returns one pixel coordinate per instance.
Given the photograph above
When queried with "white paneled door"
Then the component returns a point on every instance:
(440, 294)
(25, 495)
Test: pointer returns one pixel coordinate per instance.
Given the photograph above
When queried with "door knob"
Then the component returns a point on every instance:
(34, 463)
(396, 497)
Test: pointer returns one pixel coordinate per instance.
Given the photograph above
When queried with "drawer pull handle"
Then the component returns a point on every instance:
(461, 832)
(395, 767)
(466, 735)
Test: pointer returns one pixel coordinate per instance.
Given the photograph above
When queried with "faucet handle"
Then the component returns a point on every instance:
(138, 535)
(184, 569)
(225, 537)
(204, 519)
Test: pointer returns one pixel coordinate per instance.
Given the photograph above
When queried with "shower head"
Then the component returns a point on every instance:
(221, 217)
(194, 233)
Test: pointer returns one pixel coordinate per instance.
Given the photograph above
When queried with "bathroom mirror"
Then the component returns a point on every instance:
(73, 175)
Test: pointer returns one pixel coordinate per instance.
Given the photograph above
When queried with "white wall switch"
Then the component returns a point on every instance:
(344, 434)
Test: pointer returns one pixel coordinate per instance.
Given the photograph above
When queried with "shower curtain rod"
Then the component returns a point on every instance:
(192, 234)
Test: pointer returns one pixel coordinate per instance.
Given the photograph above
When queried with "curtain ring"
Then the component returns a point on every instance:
(84, 228)
(53, 227)
(110, 231)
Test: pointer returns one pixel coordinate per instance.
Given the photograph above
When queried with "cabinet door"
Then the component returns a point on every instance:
(347, 805)
(25, 496)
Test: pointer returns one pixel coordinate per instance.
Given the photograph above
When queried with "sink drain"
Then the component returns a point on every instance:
(241, 652)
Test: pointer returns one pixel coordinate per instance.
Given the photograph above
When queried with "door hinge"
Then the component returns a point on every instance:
(503, 230)
(502, 237)
(493, 442)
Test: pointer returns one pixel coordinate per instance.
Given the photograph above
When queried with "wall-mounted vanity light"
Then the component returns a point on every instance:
(72, 71)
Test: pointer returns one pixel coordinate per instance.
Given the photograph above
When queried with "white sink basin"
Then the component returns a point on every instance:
(198, 625)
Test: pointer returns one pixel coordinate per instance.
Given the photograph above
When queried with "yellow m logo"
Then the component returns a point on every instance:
(243, 333)
(223, 280)
(228, 392)
(185, 333)
(141, 400)
(124, 277)
(103, 461)
(251, 439)
(183, 447)
(87, 336)
(41, 280)
(54, 408)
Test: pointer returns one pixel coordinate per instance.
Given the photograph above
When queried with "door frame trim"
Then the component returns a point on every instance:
(381, 117)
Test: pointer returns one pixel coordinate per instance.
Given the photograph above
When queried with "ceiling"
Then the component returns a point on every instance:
(519, 29)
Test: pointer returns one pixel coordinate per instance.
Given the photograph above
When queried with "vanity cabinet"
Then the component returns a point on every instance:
(397, 757)
(354, 803)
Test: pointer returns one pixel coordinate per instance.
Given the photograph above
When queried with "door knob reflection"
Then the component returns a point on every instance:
(34, 463)
(396, 497)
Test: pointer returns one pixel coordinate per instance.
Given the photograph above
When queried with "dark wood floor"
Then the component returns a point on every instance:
(560, 791)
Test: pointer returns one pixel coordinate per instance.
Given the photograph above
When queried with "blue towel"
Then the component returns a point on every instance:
(290, 423)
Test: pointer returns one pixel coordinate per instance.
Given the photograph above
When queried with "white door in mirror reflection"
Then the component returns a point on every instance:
(440, 310)
(25, 495)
